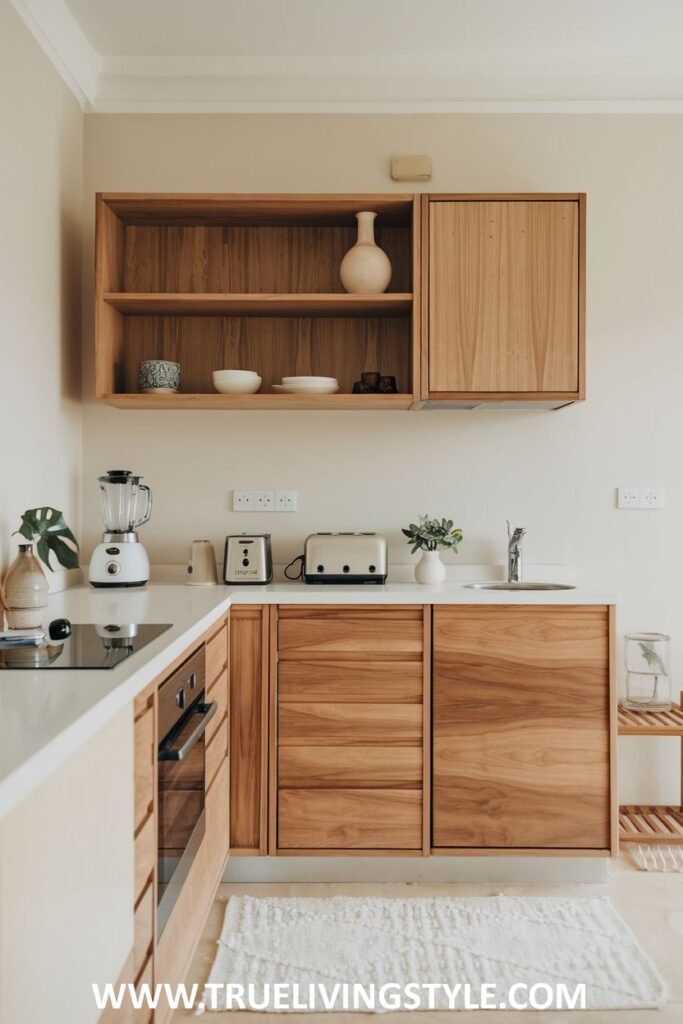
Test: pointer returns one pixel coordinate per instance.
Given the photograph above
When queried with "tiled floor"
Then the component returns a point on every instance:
(652, 904)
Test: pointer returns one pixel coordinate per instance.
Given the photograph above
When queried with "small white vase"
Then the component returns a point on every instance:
(430, 569)
(366, 267)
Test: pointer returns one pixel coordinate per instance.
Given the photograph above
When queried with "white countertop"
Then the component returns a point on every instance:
(47, 715)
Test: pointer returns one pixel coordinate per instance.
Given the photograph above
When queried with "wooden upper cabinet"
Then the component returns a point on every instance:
(505, 299)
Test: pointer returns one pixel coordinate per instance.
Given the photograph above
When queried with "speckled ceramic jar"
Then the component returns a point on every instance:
(26, 590)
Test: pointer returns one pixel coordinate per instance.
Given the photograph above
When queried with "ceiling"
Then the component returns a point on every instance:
(365, 55)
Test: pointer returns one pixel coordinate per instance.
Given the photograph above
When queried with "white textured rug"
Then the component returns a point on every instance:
(324, 949)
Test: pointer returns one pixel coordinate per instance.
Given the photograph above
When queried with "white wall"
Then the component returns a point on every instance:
(41, 182)
(555, 473)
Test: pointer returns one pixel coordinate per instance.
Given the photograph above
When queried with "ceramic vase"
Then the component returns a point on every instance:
(366, 267)
(430, 569)
(26, 590)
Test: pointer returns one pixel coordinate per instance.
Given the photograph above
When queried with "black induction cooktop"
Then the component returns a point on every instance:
(89, 646)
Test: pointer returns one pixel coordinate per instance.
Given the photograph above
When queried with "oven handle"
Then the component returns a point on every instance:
(207, 712)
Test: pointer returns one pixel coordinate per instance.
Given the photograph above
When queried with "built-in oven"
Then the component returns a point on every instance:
(183, 716)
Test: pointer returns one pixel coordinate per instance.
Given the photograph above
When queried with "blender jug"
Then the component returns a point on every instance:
(121, 494)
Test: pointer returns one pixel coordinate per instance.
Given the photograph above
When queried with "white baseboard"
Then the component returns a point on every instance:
(504, 870)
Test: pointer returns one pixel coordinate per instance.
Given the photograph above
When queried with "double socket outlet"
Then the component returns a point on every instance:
(265, 501)
(640, 497)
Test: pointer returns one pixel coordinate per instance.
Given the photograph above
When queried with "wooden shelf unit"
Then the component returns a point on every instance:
(252, 282)
(651, 823)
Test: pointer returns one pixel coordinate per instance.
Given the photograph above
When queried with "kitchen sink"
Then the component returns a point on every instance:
(520, 586)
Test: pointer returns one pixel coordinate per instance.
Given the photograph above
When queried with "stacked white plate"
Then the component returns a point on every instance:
(307, 386)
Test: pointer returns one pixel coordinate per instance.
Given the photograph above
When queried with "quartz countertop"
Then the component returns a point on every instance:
(47, 715)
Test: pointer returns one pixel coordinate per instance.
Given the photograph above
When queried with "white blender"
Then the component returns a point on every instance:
(121, 560)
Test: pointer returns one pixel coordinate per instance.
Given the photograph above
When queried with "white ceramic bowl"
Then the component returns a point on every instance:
(235, 374)
(236, 385)
(303, 389)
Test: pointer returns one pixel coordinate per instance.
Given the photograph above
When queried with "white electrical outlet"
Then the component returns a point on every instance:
(243, 501)
(286, 501)
(628, 497)
(264, 501)
(652, 497)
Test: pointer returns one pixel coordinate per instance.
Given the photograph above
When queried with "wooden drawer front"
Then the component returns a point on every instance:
(144, 929)
(218, 823)
(216, 655)
(217, 694)
(351, 819)
(375, 632)
(216, 751)
(144, 766)
(372, 682)
(338, 725)
(145, 854)
(350, 767)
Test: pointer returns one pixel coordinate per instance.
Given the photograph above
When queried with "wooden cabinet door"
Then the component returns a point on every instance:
(521, 728)
(248, 728)
(504, 297)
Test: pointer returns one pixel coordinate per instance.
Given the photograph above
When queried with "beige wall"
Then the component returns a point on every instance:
(553, 472)
(41, 182)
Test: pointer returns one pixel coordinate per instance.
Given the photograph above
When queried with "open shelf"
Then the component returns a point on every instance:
(650, 824)
(259, 401)
(651, 723)
(257, 304)
(252, 282)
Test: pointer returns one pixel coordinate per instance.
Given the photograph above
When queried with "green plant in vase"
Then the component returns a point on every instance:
(25, 589)
(430, 535)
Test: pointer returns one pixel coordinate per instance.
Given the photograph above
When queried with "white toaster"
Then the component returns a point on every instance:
(248, 559)
(345, 558)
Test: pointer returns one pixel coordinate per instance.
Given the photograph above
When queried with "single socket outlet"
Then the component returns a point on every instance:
(286, 501)
(264, 501)
(243, 501)
(628, 497)
(652, 497)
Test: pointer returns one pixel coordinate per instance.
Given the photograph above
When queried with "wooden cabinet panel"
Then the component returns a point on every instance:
(216, 751)
(144, 929)
(505, 305)
(521, 727)
(218, 822)
(248, 727)
(319, 725)
(373, 682)
(145, 854)
(350, 819)
(144, 766)
(216, 655)
(350, 767)
(375, 632)
(217, 693)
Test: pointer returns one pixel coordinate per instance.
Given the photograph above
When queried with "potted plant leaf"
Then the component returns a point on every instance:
(25, 587)
(429, 535)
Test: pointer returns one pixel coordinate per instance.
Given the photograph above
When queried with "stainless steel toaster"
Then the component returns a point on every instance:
(248, 558)
(345, 558)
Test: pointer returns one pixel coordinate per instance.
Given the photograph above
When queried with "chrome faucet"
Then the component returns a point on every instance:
(515, 553)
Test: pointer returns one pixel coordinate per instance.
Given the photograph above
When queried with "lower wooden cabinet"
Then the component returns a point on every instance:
(249, 670)
(523, 728)
(349, 730)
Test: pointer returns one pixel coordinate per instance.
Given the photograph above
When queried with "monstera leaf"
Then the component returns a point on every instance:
(47, 529)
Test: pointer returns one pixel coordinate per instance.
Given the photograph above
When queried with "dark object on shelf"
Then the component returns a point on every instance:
(370, 382)
(375, 384)
(59, 629)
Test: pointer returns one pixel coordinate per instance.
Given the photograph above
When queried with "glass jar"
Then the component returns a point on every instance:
(648, 679)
